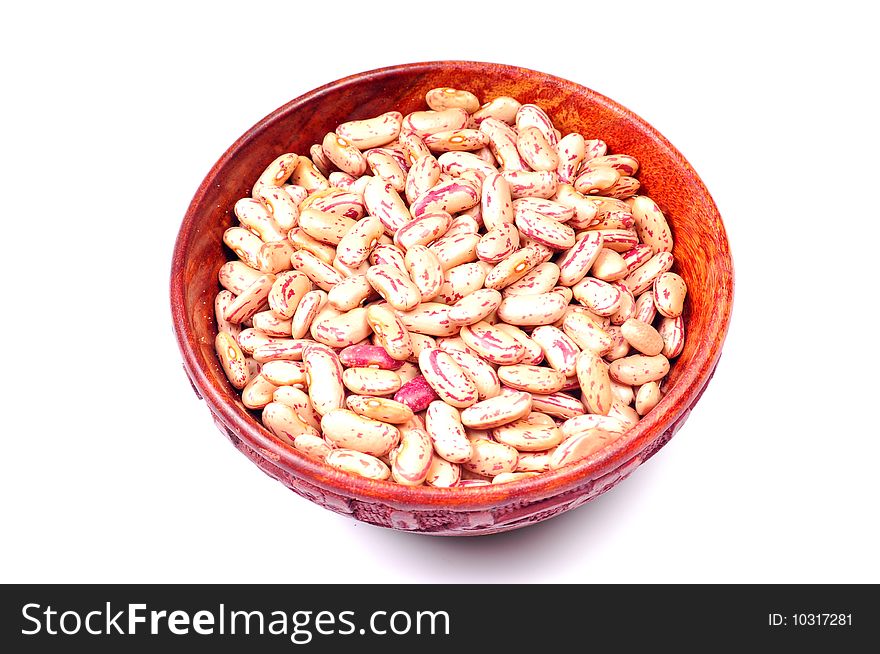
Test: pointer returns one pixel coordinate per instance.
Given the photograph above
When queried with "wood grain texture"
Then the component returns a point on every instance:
(702, 254)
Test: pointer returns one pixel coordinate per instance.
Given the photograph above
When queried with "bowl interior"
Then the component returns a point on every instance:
(701, 249)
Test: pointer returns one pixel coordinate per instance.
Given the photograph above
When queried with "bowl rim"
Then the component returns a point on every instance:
(651, 428)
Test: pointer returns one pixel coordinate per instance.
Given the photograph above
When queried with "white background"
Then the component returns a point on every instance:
(112, 471)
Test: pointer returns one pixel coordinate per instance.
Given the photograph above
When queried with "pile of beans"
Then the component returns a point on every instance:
(455, 297)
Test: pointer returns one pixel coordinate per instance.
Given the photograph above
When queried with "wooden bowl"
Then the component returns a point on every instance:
(701, 251)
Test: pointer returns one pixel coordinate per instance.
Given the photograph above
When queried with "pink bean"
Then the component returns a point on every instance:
(365, 356)
(417, 394)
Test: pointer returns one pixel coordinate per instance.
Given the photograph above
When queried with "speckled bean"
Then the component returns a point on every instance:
(323, 275)
(389, 255)
(394, 286)
(232, 360)
(596, 180)
(273, 258)
(336, 201)
(237, 276)
(356, 244)
(587, 333)
(622, 392)
(252, 300)
(456, 140)
(578, 425)
(498, 243)
(644, 308)
(532, 354)
(412, 458)
(307, 175)
(371, 381)
(641, 279)
(559, 350)
(462, 280)
(534, 461)
(448, 98)
(577, 261)
(491, 343)
(379, 408)
(535, 150)
(544, 230)
(244, 243)
(636, 256)
(391, 333)
(285, 423)
(451, 196)
(447, 378)
(578, 448)
(503, 108)
(585, 211)
(350, 293)
(456, 250)
(425, 270)
(307, 308)
(558, 405)
(302, 241)
(531, 184)
(287, 291)
(221, 302)
(312, 446)
(609, 266)
(423, 175)
(443, 423)
(496, 201)
(593, 377)
(598, 296)
(276, 349)
(372, 132)
(346, 429)
(623, 188)
(383, 201)
(284, 373)
(669, 294)
(423, 230)
(254, 215)
(536, 432)
(672, 331)
(542, 279)
(491, 458)
(430, 318)
(619, 240)
(642, 336)
(343, 154)
(276, 173)
(639, 369)
(462, 224)
(532, 310)
(442, 474)
(514, 267)
(502, 143)
(358, 463)
(337, 329)
(482, 374)
(325, 227)
(647, 397)
(323, 366)
(534, 379)
(571, 151)
(425, 123)
(497, 411)
(322, 163)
